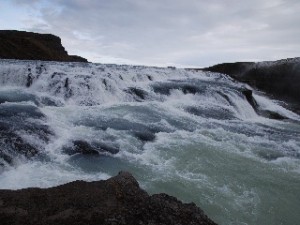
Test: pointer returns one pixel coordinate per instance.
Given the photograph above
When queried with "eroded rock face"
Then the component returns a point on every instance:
(118, 200)
(33, 46)
(280, 78)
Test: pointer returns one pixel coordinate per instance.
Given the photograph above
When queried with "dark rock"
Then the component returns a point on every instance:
(171, 67)
(271, 115)
(149, 78)
(102, 147)
(138, 93)
(189, 89)
(7, 158)
(84, 148)
(248, 94)
(226, 97)
(280, 79)
(12, 145)
(105, 83)
(118, 200)
(67, 83)
(265, 113)
(185, 87)
(76, 58)
(235, 69)
(29, 80)
(33, 46)
(220, 113)
(14, 121)
(144, 135)
(21, 146)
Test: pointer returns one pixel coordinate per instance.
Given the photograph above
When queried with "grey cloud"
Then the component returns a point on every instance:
(160, 32)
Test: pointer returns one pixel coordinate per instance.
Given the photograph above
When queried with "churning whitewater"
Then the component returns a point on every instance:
(199, 136)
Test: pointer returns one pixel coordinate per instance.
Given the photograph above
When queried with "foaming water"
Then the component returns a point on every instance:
(44, 174)
(198, 136)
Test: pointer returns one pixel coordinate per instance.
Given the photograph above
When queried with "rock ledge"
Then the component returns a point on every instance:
(280, 79)
(118, 200)
(24, 45)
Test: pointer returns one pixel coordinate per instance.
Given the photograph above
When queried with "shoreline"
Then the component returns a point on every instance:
(118, 200)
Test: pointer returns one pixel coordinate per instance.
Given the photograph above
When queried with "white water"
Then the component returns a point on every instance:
(189, 134)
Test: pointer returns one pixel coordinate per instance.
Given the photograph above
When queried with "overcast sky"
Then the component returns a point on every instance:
(163, 32)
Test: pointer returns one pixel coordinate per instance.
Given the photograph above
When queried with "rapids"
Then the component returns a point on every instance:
(196, 135)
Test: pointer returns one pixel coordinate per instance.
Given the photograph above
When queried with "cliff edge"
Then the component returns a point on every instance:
(280, 79)
(24, 45)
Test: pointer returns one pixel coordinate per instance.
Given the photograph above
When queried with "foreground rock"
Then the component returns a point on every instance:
(280, 78)
(118, 200)
(33, 46)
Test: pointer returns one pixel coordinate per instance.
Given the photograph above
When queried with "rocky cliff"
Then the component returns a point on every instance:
(281, 78)
(33, 46)
(118, 200)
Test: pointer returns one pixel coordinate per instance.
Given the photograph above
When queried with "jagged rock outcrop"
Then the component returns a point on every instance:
(33, 46)
(118, 200)
(280, 78)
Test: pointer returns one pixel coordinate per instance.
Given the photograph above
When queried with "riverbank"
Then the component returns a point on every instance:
(118, 200)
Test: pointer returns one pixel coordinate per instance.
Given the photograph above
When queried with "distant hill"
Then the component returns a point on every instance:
(279, 78)
(33, 46)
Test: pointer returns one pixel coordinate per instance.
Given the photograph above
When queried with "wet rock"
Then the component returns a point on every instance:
(248, 95)
(16, 130)
(12, 146)
(29, 80)
(220, 114)
(67, 83)
(105, 83)
(58, 75)
(271, 115)
(149, 78)
(118, 200)
(23, 147)
(226, 97)
(265, 113)
(171, 67)
(5, 158)
(103, 147)
(144, 136)
(189, 89)
(185, 87)
(138, 93)
(84, 147)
